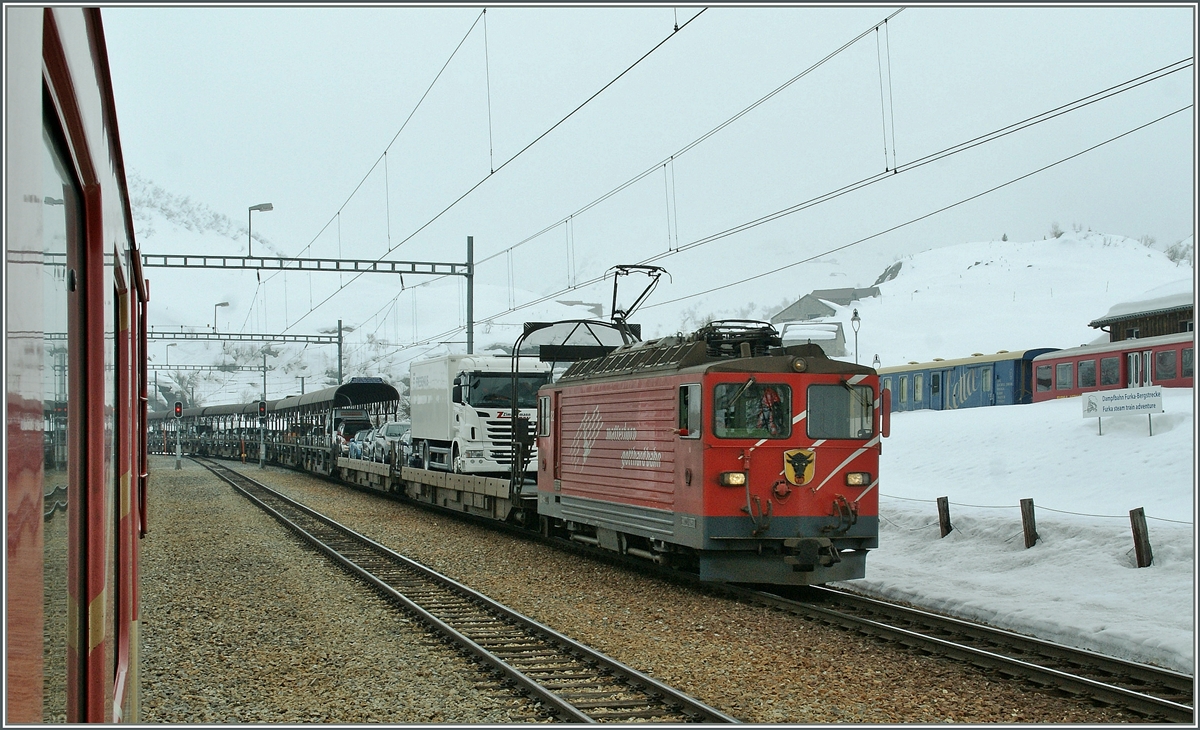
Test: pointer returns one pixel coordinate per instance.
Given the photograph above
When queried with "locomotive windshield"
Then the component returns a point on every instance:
(841, 411)
(494, 390)
(752, 410)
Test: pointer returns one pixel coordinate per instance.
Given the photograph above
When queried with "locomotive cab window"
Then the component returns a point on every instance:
(752, 410)
(689, 411)
(841, 411)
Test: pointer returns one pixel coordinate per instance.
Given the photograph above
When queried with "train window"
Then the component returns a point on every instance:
(1110, 370)
(62, 236)
(1064, 375)
(918, 387)
(543, 425)
(903, 388)
(752, 410)
(840, 411)
(987, 379)
(935, 383)
(1043, 378)
(1187, 362)
(1164, 365)
(689, 411)
(887, 383)
(1087, 373)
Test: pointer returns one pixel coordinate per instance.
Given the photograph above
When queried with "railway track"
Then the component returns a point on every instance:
(573, 682)
(1154, 693)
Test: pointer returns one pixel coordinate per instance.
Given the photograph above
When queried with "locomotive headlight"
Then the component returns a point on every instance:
(858, 478)
(732, 479)
(799, 364)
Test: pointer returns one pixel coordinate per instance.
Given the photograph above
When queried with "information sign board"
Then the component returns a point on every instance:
(1124, 402)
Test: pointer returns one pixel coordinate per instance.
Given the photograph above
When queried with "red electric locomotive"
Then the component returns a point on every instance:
(75, 367)
(722, 453)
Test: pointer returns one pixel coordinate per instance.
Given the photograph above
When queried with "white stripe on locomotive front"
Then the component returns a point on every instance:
(849, 459)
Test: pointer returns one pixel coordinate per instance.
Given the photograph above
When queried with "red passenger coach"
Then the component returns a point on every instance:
(75, 385)
(1166, 360)
(721, 453)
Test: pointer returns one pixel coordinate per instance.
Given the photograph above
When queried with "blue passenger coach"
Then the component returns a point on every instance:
(1005, 378)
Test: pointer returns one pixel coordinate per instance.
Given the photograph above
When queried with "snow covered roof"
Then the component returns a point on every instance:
(798, 331)
(1176, 296)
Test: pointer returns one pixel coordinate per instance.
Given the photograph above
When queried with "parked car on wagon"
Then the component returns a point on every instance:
(359, 442)
(386, 443)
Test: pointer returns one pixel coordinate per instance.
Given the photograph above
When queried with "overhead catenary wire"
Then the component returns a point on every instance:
(474, 187)
(942, 154)
(594, 280)
(918, 218)
(982, 139)
(957, 148)
(873, 179)
(686, 148)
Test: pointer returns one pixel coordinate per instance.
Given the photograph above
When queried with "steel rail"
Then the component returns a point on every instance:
(1034, 669)
(1168, 684)
(488, 629)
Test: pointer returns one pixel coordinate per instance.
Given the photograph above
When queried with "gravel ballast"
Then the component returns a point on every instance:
(244, 624)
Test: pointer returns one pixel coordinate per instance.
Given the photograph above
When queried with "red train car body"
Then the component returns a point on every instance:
(75, 397)
(1166, 360)
(721, 453)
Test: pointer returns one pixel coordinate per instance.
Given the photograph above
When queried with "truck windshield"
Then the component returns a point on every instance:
(841, 411)
(494, 390)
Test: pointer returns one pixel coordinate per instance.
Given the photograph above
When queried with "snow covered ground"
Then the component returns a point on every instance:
(1079, 585)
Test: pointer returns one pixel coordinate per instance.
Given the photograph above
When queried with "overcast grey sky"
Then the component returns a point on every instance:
(234, 106)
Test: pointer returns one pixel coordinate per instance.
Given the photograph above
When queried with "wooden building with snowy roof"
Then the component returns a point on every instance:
(1166, 310)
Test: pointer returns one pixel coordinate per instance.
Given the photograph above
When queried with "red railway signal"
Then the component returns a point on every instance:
(262, 409)
(178, 409)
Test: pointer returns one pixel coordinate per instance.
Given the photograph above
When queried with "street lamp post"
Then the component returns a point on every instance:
(854, 323)
(218, 304)
(262, 207)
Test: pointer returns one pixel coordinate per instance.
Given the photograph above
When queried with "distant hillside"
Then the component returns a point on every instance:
(1003, 295)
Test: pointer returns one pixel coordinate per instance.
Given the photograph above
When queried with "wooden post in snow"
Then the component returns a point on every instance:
(943, 504)
(1141, 538)
(1028, 524)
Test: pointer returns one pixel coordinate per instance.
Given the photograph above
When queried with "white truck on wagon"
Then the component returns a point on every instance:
(461, 410)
